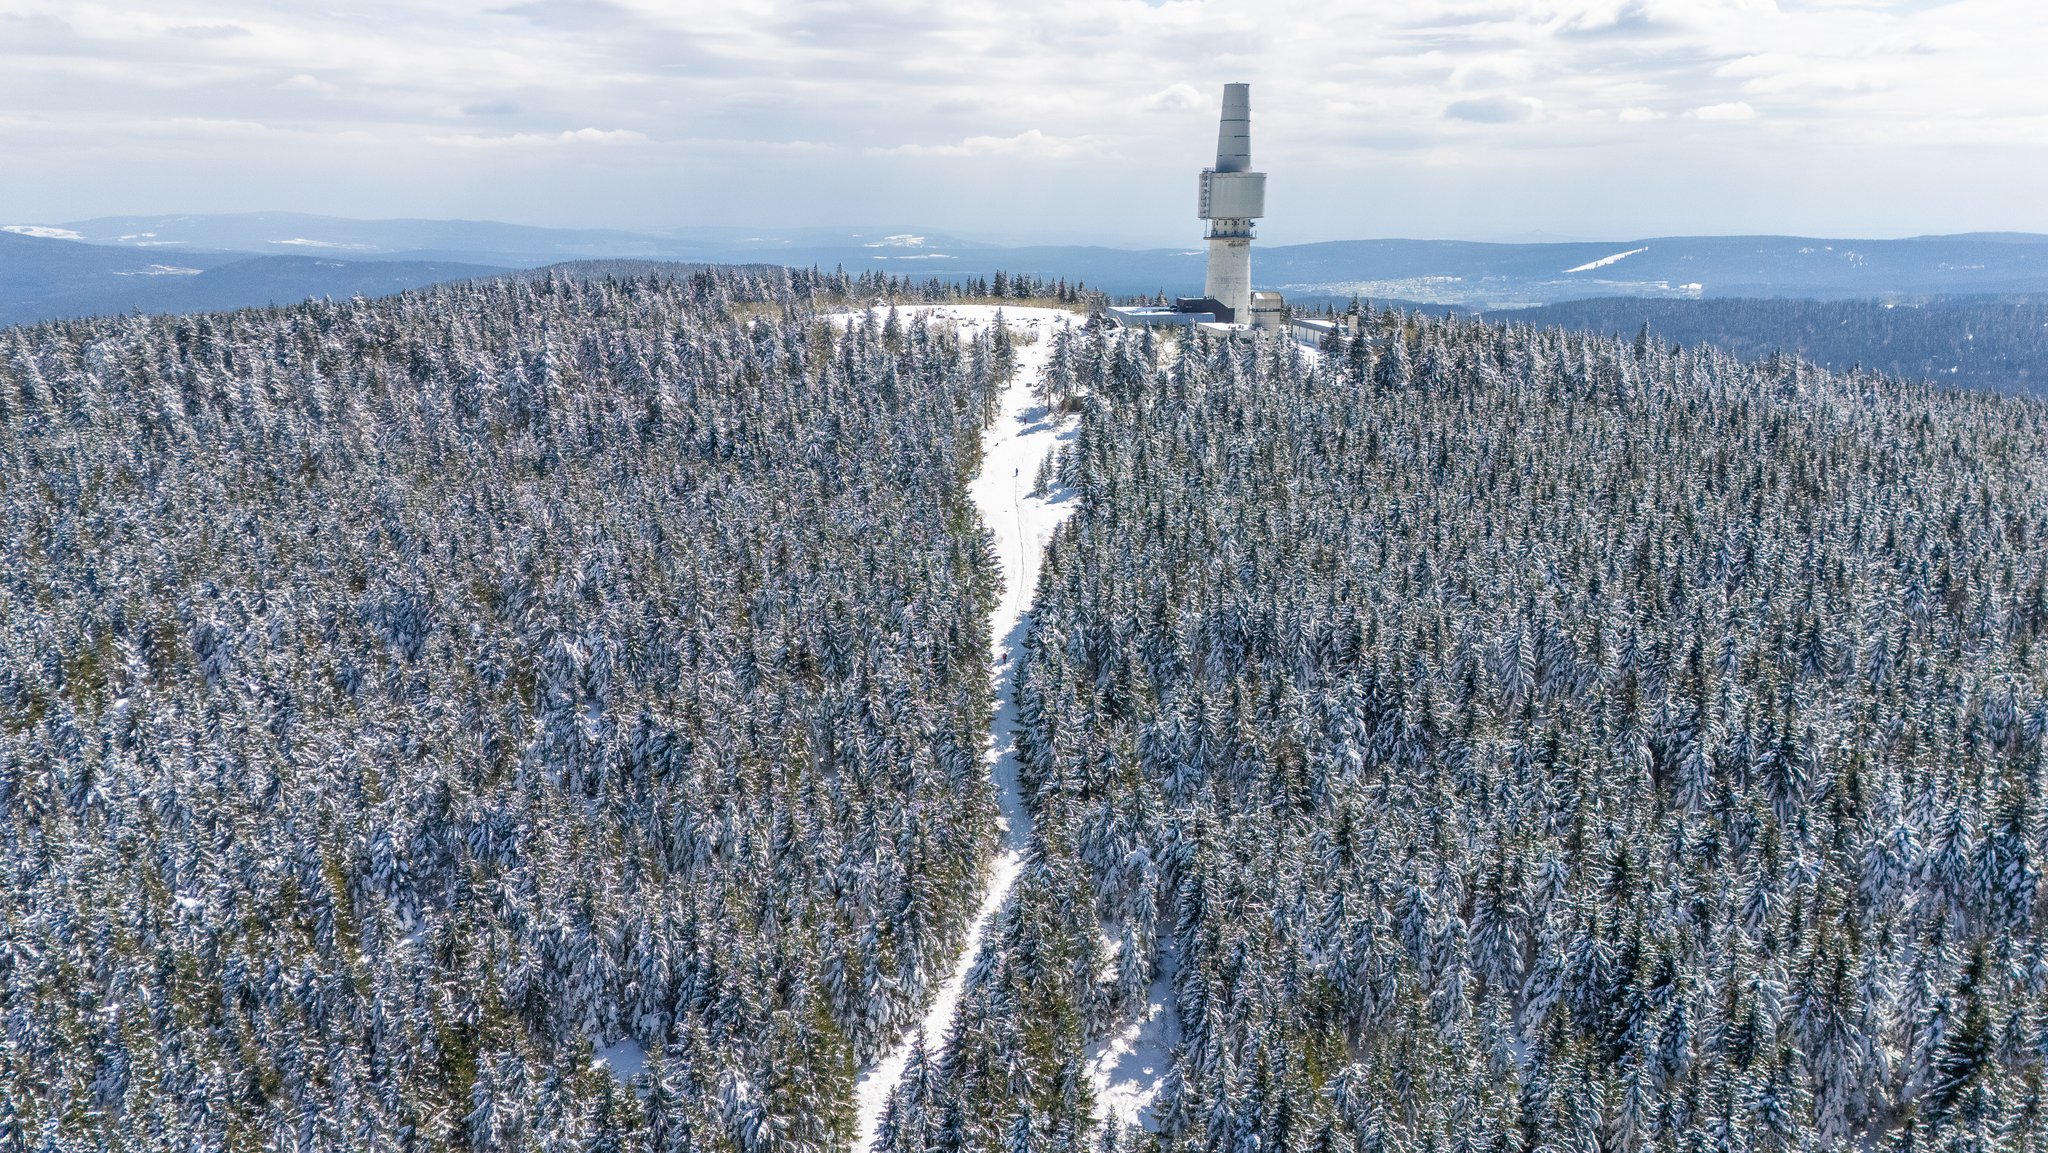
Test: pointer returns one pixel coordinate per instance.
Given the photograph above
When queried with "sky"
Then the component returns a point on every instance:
(1074, 121)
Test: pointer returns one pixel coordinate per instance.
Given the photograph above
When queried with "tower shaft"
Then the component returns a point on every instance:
(1232, 197)
(1229, 281)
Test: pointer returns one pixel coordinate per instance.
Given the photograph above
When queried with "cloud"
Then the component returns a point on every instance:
(1175, 98)
(1635, 18)
(1032, 142)
(580, 136)
(1496, 109)
(210, 126)
(792, 112)
(602, 136)
(1733, 110)
(208, 31)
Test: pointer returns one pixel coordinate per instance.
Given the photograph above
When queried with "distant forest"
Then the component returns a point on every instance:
(1999, 343)
(1992, 342)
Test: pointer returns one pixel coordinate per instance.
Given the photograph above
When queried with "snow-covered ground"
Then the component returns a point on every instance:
(1127, 1068)
(1021, 437)
(42, 231)
(1606, 260)
(626, 1059)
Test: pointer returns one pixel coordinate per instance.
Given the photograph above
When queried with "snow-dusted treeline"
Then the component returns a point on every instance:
(402, 701)
(1505, 740)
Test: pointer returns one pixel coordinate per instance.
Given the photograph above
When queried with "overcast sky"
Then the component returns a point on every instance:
(1047, 120)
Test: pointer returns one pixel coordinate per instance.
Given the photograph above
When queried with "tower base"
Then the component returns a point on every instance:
(1229, 282)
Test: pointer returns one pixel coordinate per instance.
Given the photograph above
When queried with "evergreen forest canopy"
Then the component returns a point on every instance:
(1969, 342)
(1500, 739)
(398, 699)
(1518, 740)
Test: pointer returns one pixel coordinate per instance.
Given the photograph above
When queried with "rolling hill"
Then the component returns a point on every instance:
(1482, 275)
(43, 278)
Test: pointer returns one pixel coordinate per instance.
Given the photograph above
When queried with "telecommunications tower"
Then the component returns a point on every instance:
(1232, 197)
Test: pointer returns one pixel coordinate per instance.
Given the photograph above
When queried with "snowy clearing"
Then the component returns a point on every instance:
(1607, 260)
(161, 270)
(1127, 1069)
(1021, 437)
(42, 231)
(626, 1059)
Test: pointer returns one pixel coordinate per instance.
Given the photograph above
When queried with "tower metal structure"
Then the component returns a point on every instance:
(1232, 197)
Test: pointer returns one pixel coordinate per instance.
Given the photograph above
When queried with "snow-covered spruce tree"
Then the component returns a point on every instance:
(1516, 740)
(399, 699)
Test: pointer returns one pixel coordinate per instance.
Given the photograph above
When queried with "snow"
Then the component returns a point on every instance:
(625, 1059)
(161, 270)
(1012, 448)
(1607, 260)
(1127, 1069)
(42, 231)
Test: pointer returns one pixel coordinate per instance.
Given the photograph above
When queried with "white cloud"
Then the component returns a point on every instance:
(1031, 142)
(1496, 109)
(306, 82)
(595, 136)
(1175, 98)
(208, 31)
(210, 126)
(603, 136)
(1733, 110)
(797, 111)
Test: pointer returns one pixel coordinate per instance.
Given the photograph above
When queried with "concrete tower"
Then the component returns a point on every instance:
(1232, 197)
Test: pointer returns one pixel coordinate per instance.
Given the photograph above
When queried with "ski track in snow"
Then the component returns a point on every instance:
(1126, 1069)
(1012, 448)
(1606, 260)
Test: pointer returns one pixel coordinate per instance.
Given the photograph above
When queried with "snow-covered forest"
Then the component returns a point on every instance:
(1999, 343)
(404, 702)
(553, 713)
(1512, 740)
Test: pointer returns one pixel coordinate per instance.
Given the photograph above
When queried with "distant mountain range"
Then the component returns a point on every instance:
(177, 263)
(46, 279)
(1518, 275)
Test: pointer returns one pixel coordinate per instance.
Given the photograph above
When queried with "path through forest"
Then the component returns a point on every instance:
(1012, 448)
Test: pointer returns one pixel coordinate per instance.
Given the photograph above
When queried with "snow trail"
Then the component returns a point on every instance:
(1606, 260)
(1012, 449)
